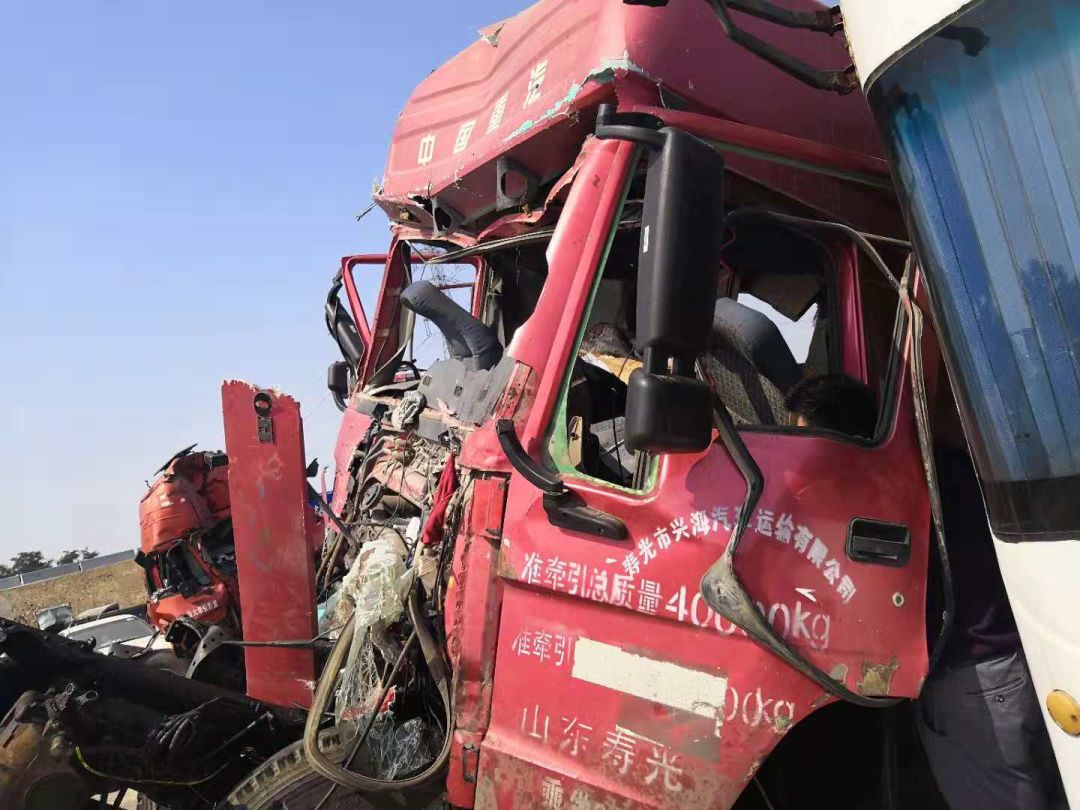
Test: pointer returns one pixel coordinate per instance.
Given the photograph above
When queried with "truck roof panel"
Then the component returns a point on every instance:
(528, 89)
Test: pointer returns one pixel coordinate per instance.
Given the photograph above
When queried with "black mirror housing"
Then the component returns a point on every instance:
(342, 327)
(668, 410)
(679, 256)
(337, 380)
(667, 414)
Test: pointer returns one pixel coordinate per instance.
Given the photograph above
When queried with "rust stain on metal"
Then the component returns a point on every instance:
(877, 678)
(505, 569)
(839, 673)
(485, 794)
(519, 390)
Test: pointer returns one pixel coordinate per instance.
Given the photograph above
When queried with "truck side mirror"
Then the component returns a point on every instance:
(668, 410)
(337, 380)
(342, 327)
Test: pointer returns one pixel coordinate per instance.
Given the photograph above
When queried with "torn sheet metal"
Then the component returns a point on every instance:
(529, 86)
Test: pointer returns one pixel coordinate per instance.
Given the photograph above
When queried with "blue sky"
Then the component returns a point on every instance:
(177, 183)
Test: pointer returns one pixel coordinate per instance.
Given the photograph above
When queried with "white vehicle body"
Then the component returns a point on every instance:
(978, 103)
(130, 632)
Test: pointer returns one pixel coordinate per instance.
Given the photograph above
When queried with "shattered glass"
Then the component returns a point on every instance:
(376, 588)
(395, 751)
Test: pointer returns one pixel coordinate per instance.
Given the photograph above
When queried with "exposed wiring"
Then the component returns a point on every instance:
(453, 520)
(764, 795)
(926, 442)
(326, 566)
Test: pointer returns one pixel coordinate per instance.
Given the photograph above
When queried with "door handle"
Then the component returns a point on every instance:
(878, 542)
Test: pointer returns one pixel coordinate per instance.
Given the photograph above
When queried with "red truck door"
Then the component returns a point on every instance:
(615, 679)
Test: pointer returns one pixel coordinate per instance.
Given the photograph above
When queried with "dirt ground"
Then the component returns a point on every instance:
(123, 583)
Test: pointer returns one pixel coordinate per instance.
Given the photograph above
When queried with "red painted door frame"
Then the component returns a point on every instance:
(646, 695)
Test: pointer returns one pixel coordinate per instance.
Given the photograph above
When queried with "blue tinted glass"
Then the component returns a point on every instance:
(984, 123)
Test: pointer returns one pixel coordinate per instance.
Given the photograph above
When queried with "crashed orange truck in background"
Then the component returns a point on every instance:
(579, 556)
(186, 543)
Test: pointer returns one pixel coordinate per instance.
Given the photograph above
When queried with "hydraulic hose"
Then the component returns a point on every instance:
(350, 779)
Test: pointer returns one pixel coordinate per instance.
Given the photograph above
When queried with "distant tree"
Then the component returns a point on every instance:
(75, 555)
(26, 561)
(5, 571)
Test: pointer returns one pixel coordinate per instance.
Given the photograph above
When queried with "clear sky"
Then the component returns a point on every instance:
(177, 183)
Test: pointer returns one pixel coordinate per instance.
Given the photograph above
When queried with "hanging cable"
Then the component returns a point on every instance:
(350, 779)
(362, 737)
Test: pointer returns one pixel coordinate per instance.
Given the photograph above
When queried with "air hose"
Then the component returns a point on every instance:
(436, 666)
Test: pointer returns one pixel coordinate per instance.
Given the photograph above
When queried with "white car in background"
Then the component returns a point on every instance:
(123, 635)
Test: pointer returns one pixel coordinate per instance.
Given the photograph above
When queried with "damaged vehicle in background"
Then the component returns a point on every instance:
(186, 547)
(125, 636)
(55, 618)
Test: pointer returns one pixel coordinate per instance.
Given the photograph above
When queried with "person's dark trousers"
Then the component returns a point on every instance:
(982, 728)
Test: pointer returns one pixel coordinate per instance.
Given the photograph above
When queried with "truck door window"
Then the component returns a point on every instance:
(588, 434)
(427, 344)
(777, 322)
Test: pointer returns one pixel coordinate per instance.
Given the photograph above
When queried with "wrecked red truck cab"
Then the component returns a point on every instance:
(186, 542)
(593, 666)
(580, 552)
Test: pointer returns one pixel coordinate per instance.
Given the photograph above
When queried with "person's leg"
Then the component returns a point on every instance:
(983, 733)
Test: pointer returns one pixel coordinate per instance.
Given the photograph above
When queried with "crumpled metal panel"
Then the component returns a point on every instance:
(528, 89)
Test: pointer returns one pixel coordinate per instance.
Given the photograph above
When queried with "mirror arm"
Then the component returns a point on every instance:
(640, 128)
(724, 592)
(564, 507)
(825, 20)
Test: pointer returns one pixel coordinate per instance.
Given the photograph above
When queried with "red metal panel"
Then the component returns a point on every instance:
(823, 154)
(631, 657)
(472, 623)
(274, 562)
(353, 427)
(853, 337)
(542, 70)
